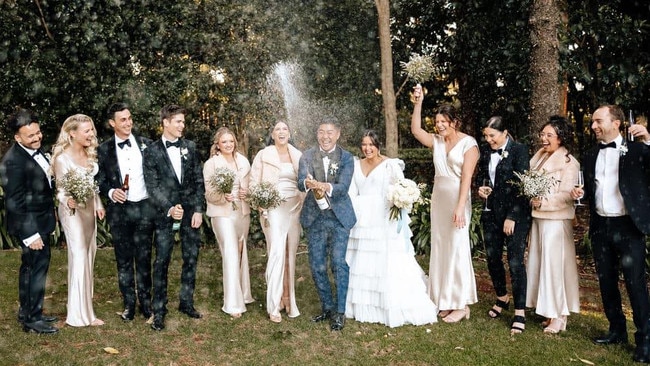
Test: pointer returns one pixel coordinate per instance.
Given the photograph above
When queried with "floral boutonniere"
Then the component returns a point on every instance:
(142, 147)
(504, 154)
(48, 156)
(184, 153)
(333, 169)
(622, 149)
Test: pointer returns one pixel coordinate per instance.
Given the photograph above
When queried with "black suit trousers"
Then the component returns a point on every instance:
(619, 245)
(190, 243)
(31, 279)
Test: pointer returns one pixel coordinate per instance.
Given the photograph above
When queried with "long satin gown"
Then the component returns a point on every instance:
(231, 233)
(282, 238)
(451, 274)
(387, 285)
(81, 233)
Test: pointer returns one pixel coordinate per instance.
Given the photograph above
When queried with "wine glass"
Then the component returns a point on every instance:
(487, 189)
(579, 183)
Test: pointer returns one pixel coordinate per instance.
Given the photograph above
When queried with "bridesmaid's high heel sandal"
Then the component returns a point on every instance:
(556, 325)
(497, 308)
(457, 315)
(518, 325)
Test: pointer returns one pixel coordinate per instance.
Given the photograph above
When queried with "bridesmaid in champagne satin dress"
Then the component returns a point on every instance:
(278, 164)
(76, 149)
(230, 218)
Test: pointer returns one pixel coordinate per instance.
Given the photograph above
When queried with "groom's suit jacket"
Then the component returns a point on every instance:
(340, 202)
(633, 182)
(162, 184)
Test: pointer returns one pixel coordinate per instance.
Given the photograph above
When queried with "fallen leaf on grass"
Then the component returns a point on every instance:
(587, 362)
(459, 348)
(111, 350)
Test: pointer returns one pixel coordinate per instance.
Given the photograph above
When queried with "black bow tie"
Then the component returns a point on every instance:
(36, 153)
(604, 146)
(328, 155)
(126, 142)
(169, 144)
(497, 151)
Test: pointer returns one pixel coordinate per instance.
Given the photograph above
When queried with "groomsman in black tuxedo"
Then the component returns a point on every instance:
(174, 180)
(617, 184)
(129, 209)
(29, 207)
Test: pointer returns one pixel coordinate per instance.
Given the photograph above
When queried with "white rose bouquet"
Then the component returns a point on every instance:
(402, 195)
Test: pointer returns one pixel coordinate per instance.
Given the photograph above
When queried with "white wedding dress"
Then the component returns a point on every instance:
(386, 285)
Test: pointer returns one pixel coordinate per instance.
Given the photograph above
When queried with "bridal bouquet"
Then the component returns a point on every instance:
(420, 68)
(402, 195)
(222, 181)
(534, 183)
(78, 185)
(264, 196)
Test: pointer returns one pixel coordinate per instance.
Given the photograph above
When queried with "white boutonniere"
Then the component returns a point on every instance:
(48, 156)
(622, 149)
(504, 154)
(333, 169)
(142, 146)
(184, 153)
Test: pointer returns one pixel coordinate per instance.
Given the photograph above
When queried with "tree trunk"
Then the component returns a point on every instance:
(387, 87)
(547, 89)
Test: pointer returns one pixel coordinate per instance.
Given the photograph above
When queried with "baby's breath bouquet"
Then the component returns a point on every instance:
(79, 185)
(222, 181)
(419, 68)
(264, 196)
(402, 195)
(533, 183)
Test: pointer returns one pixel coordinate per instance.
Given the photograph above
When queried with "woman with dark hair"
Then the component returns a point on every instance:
(278, 164)
(552, 270)
(506, 220)
(230, 217)
(452, 285)
(386, 283)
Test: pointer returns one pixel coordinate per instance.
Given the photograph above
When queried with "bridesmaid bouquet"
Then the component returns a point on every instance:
(402, 195)
(264, 196)
(534, 183)
(222, 181)
(80, 186)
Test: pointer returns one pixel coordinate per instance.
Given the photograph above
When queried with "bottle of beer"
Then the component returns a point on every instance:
(125, 185)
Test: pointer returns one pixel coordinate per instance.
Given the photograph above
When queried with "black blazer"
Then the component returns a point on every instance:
(109, 175)
(162, 185)
(633, 182)
(505, 201)
(29, 199)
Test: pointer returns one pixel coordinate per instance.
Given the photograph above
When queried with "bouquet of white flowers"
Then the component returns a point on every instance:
(264, 196)
(402, 195)
(420, 68)
(78, 185)
(222, 181)
(534, 183)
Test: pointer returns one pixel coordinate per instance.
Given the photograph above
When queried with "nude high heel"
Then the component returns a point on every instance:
(457, 315)
(557, 325)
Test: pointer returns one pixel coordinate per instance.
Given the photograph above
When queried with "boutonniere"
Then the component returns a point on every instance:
(48, 156)
(142, 146)
(504, 154)
(184, 153)
(622, 149)
(333, 169)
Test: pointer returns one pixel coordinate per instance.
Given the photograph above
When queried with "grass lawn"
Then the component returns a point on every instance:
(254, 340)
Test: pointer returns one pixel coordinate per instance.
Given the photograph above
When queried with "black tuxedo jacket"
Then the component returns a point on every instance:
(29, 198)
(633, 182)
(505, 201)
(109, 175)
(162, 185)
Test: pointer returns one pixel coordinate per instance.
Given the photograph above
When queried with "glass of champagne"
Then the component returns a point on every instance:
(579, 183)
(487, 189)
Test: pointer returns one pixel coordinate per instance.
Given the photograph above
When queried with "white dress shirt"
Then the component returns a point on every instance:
(175, 157)
(129, 159)
(495, 158)
(609, 201)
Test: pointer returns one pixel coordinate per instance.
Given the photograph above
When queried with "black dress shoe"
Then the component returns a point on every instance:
(49, 319)
(612, 338)
(325, 315)
(337, 322)
(128, 314)
(642, 353)
(190, 311)
(40, 327)
(158, 322)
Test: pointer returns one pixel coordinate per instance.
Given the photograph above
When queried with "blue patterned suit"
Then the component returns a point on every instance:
(328, 230)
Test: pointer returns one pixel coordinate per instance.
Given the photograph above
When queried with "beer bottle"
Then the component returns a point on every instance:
(125, 185)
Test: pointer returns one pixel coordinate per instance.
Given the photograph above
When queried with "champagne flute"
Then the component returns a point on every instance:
(487, 189)
(579, 183)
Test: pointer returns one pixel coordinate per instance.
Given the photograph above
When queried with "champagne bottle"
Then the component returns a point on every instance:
(321, 199)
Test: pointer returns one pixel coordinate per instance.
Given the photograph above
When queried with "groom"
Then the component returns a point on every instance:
(327, 170)
(174, 180)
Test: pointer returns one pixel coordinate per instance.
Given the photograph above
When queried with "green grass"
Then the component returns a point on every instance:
(253, 339)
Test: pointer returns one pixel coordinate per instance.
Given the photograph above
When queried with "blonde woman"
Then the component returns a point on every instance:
(278, 164)
(230, 218)
(76, 149)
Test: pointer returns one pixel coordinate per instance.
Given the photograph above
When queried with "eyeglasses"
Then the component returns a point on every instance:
(547, 135)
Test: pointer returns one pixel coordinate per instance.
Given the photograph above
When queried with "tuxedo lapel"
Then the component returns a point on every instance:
(162, 153)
